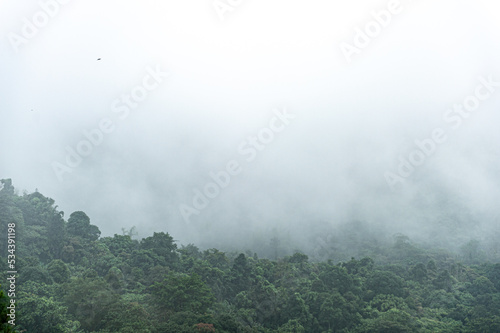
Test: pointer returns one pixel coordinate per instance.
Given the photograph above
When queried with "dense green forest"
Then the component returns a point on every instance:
(70, 279)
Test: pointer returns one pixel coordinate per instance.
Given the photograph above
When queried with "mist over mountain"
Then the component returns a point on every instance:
(249, 166)
(399, 137)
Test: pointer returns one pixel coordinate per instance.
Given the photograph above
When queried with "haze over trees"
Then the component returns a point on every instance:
(250, 166)
(73, 280)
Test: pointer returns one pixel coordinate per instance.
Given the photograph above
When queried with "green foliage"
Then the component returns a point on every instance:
(56, 235)
(443, 281)
(35, 273)
(4, 303)
(43, 315)
(71, 280)
(392, 321)
(386, 282)
(384, 303)
(79, 226)
(419, 272)
(481, 286)
(335, 277)
(128, 317)
(162, 246)
(298, 258)
(484, 324)
(182, 293)
(58, 271)
(120, 244)
(89, 299)
(292, 326)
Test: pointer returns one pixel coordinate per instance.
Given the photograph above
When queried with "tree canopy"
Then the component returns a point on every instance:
(73, 280)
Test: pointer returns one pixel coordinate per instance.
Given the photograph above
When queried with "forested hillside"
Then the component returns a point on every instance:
(70, 279)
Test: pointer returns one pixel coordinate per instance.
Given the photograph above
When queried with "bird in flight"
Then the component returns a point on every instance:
(98, 58)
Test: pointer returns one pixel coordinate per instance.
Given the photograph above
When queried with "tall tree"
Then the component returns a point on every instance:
(79, 225)
(162, 244)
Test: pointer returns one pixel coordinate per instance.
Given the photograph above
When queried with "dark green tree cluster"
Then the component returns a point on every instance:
(73, 280)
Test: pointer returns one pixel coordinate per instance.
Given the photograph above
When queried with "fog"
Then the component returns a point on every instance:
(352, 117)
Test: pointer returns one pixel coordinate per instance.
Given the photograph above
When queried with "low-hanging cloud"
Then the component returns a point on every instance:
(353, 120)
